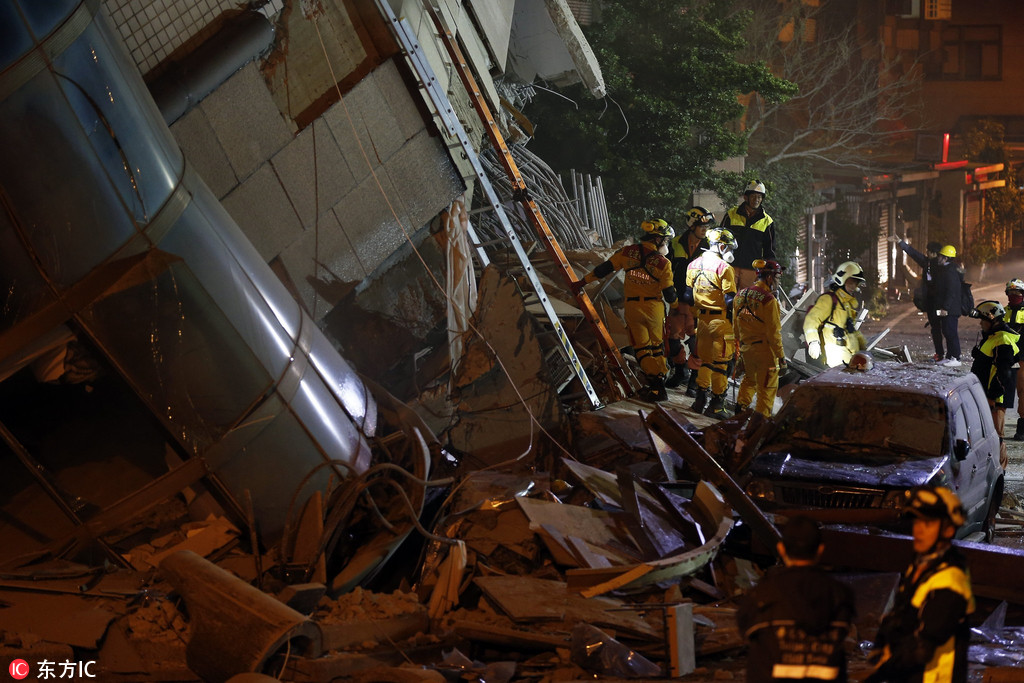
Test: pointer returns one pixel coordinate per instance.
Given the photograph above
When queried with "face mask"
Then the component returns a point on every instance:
(1015, 298)
(663, 250)
(728, 257)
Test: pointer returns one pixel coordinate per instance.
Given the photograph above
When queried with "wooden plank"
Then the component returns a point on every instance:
(508, 637)
(666, 426)
(527, 599)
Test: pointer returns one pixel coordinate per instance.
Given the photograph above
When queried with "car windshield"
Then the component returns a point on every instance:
(900, 422)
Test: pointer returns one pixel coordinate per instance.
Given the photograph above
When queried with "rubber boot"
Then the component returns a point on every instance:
(691, 384)
(657, 390)
(680, 375)
(701, 402)
(1019, 434)
(716, 407)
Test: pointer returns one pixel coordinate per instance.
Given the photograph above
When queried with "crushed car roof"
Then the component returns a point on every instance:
(922, 378)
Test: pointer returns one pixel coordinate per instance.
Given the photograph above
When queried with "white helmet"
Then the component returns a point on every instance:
(755, 186)
(845, 271)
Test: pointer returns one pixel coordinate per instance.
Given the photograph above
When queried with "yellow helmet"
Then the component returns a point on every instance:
(949, 251)
(657, 227)
(698, 216)
(935, 502)
(721, 236)
(845, 271)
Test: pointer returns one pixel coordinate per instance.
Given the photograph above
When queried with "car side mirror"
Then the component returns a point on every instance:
(960, 449)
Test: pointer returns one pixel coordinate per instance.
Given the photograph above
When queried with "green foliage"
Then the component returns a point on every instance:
(673, 82)
(1004, 206)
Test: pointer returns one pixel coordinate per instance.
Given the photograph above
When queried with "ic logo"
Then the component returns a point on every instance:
(19, 669)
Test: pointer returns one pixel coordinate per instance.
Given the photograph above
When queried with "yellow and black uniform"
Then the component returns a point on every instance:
(1015, 321)
(831, 322)
(925, 635)
(755, 237)
(757, 320)
(993, 364)
(648, 285)
(714, 284)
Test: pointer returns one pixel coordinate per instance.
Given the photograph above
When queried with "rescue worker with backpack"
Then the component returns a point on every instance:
(994, 358)
(713, 283)
(648, 286)
(758, 322)
(682, 330)
(1014, 319)
(754, 231)
(943, 282)
(924, 636)
(830, 326)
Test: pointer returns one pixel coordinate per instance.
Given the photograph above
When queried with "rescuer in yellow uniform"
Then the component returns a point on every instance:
(713, 283)
(648, 286)
(830, 324)
(758, 323)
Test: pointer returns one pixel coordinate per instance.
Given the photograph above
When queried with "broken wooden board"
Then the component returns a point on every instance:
(506, 636)
(597, 581)
(597, 527)
(526, 599)
(76, 621)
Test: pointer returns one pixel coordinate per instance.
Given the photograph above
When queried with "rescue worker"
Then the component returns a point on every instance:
(758, 323)
(754, 231)
(830, 324)
(942, 280)
(648, 285)
(713, 283)
(682, 328)
(1014, 319)
(797, 616)
(994, 358)
(925, 634)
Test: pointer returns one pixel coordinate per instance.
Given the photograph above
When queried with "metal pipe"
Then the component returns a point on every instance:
(104, 225)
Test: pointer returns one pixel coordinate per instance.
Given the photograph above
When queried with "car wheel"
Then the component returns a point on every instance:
(989, 526)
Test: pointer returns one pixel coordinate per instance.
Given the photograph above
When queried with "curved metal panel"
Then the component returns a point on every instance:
(100, 213)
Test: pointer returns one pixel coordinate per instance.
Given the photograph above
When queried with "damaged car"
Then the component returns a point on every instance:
(848, 444)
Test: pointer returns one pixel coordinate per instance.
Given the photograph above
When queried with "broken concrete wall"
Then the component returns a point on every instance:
(497, 402)
(329, 203)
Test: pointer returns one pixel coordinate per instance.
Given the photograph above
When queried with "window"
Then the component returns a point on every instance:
(968, 53)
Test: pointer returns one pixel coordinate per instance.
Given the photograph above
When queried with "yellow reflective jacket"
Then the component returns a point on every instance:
(830, 321)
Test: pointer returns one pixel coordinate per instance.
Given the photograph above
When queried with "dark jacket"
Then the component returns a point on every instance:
(942, 282)
(795, 618)
(927, 628)
(755, 235)
(993, 363)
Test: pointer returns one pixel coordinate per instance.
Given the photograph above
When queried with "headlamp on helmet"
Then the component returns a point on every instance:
(768, 267)
(988, 310)
(698, 216)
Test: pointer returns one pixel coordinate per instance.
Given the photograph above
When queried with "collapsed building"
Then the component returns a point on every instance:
(291, 383)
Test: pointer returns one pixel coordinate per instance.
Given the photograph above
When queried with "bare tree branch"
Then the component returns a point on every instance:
(853, 99)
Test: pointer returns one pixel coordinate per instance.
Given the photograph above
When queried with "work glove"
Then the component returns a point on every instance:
(814, 349)
(941, 313)
(895, 239)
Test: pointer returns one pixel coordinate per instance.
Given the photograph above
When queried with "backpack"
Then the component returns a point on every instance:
(966, 298)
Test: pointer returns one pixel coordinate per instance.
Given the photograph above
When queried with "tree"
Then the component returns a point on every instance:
(673, 82)
(1004, 206)
(853, 99)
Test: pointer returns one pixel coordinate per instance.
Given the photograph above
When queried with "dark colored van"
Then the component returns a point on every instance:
(853, 442)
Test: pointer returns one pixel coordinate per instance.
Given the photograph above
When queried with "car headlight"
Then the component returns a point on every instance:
(758, 488)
